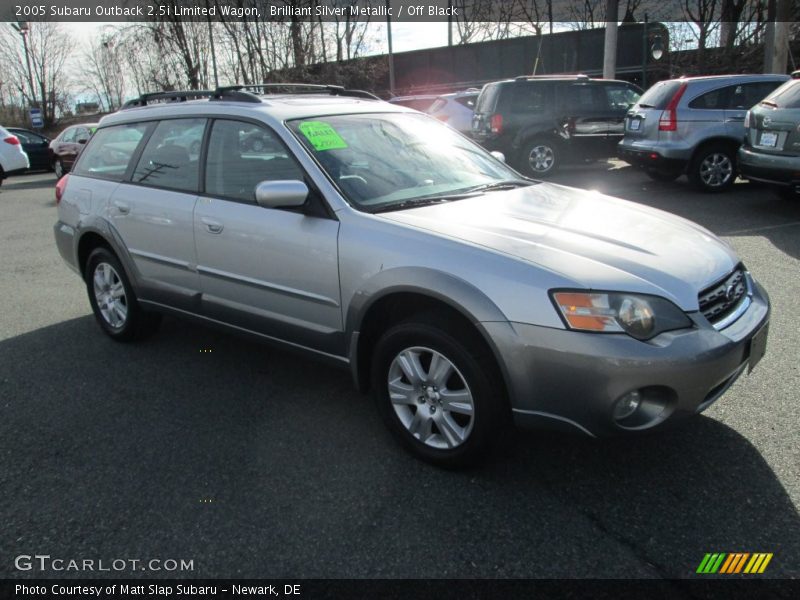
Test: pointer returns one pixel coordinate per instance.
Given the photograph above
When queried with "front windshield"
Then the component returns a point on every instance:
(386, 160)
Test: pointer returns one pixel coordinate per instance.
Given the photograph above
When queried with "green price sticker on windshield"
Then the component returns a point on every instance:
(322, 136)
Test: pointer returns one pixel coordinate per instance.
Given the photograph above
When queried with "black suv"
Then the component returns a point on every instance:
(541, 122)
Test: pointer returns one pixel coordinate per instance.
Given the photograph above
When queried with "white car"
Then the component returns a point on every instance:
(12, 157)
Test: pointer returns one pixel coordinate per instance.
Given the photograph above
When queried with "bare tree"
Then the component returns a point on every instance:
(103, 69)
(45, 85)
(703, 14)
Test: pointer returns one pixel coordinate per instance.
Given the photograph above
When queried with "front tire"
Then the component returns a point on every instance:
(113, 301)
(540, 157)
(435, 393)
(713, 169)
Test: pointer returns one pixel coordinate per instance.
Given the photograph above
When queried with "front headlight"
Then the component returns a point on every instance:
(638, 315)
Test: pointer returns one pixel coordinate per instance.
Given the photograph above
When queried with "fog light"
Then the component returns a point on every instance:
(627, 405)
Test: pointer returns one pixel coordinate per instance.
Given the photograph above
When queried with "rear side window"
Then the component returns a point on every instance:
(659, 95)
(170, 159)
(586, 97)
(487, 100)
(68, 135)
(530, 97)
(109, 152)
(620, 97)
(241, 155)
(713, 100)
(786, 96)
(748, 95)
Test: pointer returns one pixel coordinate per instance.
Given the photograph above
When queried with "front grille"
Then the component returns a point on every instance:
(719, 300)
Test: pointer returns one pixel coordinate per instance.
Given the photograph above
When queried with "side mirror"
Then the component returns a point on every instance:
(281, 194)
(83, 140)
(498, 155)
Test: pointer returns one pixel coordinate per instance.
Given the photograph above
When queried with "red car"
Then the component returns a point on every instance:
(68, 145)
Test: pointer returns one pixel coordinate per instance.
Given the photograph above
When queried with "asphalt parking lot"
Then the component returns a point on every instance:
(256, 463)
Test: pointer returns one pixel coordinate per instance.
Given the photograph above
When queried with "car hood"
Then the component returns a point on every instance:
(593, 241)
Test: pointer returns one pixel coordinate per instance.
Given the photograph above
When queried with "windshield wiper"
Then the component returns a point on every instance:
(507, 184)
(424, 201)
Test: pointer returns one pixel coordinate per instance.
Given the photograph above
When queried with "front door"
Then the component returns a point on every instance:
(271, 271)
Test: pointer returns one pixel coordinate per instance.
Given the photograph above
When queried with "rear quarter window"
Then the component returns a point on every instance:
(108, 153)
(713, 100)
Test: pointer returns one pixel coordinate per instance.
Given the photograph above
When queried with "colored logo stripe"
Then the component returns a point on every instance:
(734, 562)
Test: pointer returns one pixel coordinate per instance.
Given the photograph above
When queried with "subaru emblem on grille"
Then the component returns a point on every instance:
(730, 293)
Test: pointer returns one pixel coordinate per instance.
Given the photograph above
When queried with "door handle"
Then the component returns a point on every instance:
(123, 207)
(212, 226)
(735, 119)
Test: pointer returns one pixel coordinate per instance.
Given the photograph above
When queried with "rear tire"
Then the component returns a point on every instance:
(113, 300)
(540, 157)
(713, 168)
(435, 393)
(58, 168)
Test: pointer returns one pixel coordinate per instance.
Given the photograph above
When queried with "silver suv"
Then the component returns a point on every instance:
(381, 240)
(693, 125)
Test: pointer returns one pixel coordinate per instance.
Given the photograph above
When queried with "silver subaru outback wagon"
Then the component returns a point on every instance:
(459, 292)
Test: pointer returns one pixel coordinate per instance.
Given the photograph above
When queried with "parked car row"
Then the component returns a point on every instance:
(691, 126)
(24, 150)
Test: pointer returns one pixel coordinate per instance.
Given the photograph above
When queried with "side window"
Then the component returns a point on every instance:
(109, 152)
(713, 100)
(583, 97)
(756, 92)
(170, 159)
(621, 97)
(82, 135)
(529, 97)
(241, 155)
(68, 135)
(24, 137)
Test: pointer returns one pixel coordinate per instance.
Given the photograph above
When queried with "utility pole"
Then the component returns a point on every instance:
(780, 52)
(449, 22)
(213, 49)
(23, 28)
(610, 47)
(391, 55)
(769, 36)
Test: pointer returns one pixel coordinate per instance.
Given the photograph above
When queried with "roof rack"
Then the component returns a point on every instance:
(296, 88)
(245, 93)
(579, 76)
(177, 96)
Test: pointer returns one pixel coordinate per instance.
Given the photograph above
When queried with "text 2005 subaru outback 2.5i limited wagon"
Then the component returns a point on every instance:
(457, 291)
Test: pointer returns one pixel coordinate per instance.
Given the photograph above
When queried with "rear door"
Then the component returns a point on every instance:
(593, 114)
(154, 213)
(273, 271)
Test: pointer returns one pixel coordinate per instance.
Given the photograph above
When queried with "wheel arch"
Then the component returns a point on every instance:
(730, 142)
(370, 314)
(99, 233)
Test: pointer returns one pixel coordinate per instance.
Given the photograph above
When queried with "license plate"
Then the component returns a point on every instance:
(768, 138)
(758, 346)
(634, 124)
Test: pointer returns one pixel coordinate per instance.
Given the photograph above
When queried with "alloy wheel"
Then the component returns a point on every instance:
(716, 170)
(541, 158)
(431, 398)
(109, 293)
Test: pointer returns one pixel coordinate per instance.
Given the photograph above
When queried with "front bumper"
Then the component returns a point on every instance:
(571, 380)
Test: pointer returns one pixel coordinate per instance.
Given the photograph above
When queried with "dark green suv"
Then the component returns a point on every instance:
(771, 149)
